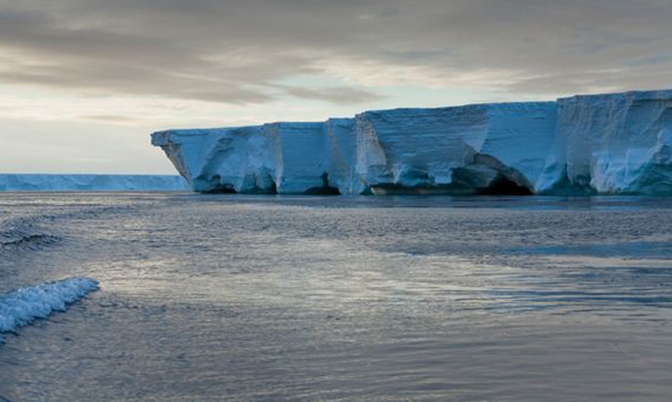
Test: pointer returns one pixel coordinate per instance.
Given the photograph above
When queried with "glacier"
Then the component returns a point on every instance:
(23, 306)
(588, 144)
(91, 182)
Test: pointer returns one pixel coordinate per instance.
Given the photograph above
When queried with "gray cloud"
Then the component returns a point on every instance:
(241, 51)
(340, 95)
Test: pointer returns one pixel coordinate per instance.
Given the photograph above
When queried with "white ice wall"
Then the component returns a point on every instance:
(611, 144)
(425, 147)
(340, 156)
(617, 143)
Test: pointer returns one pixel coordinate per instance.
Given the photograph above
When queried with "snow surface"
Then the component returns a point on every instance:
(23, 306)
(91, 182)
(619, 143)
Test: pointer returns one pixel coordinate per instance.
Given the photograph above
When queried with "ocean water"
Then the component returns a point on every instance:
(241, 298)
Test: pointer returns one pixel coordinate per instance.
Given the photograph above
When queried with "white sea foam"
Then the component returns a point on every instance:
(23, 306)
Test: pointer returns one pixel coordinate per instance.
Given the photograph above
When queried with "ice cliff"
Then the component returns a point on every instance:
(91, 182)
(613, 144)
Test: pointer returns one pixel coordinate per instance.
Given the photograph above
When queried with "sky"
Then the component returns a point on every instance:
(84, 82)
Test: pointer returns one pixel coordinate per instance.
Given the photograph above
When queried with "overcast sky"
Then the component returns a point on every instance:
(84, 82)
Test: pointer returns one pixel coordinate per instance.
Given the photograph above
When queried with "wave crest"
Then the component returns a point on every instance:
(23, 306)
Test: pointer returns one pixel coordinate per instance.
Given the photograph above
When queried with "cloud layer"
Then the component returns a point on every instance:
(250, 52)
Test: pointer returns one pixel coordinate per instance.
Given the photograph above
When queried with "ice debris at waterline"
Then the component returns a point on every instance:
(606, 144)
(23, 306)
(91, 182)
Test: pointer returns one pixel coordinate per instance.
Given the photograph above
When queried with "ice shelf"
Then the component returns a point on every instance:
(595, 144)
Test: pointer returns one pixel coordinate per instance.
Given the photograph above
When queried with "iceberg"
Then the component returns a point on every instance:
(23, 306)
(91, 182)
(593, 144)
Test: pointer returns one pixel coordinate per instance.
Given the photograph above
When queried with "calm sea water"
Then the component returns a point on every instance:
(211, 298)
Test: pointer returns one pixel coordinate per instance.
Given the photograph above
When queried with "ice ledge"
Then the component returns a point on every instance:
(587, 144)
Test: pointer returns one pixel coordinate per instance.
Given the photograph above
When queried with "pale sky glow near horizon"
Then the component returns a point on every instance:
(84, 82)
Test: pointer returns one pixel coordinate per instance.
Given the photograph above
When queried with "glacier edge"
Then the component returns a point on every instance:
(589, 144)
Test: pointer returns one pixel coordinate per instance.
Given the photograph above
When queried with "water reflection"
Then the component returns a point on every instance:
(348, 299)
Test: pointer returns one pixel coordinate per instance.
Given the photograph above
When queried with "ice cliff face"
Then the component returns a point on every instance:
(588, 144)
(619, 143)
(456, 150)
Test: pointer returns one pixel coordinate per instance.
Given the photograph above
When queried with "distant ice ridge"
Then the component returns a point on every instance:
(608, 144)
(91, 182)
(23, 306)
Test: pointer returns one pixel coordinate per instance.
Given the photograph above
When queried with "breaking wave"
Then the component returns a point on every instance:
(23, 306)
